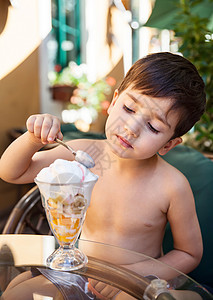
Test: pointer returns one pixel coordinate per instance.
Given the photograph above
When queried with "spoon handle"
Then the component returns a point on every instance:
(65, 145)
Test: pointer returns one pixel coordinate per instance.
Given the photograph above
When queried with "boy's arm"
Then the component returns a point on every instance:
(21, 162)
(187, 239)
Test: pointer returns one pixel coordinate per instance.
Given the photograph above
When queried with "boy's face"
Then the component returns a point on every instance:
(139, 126)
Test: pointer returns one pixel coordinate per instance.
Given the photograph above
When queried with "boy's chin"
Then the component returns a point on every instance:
(118, 151)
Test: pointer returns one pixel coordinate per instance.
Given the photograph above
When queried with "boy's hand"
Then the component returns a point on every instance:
(45, 127)
(102, 290)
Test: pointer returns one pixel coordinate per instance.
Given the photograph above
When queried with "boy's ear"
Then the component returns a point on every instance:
(170, 145)
(114, 99)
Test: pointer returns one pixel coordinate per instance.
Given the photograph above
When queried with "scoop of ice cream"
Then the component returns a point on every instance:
(64, 182)
(64, 171)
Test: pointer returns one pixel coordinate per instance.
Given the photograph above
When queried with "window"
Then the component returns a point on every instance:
(65, 39)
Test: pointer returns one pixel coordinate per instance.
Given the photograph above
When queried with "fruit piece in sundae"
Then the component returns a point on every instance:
(66, 218)
(78, 204)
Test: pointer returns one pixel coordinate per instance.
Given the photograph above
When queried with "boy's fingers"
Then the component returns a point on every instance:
(37, 126)
(102, 290)
(46, 128)
(54, 130)
(30, 123)
(113, 292)
(60, 135)
(106, 290)
(95, 292)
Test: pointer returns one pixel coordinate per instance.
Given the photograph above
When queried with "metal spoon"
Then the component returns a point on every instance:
(80, 156)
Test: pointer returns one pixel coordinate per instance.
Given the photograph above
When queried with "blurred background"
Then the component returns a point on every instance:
(66, 57)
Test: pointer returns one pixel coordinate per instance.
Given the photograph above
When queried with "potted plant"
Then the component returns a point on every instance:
(83, 98)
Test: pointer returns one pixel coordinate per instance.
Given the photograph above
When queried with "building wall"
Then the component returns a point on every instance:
(24, 66)
(19, 79)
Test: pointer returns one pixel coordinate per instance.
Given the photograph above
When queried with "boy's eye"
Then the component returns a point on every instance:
(152, 128)
(127, 109)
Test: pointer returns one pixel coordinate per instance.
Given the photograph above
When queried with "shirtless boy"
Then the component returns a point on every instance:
(159, 100)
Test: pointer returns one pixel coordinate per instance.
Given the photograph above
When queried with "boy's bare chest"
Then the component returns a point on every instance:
(126, 206)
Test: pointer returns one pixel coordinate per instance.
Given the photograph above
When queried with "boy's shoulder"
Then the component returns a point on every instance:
(172, 178)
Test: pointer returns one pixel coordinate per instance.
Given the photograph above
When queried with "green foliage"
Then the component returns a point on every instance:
(87, 93)
(196, 44)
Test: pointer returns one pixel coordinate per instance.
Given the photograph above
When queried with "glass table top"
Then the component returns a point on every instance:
(27, 254)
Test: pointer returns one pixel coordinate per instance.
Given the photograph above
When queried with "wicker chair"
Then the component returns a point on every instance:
(28, 216)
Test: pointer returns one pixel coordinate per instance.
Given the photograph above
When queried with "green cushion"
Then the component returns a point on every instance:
(68, 127)
(70, 132)
(199, 171)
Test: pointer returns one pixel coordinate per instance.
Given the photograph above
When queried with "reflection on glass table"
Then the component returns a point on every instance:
(23, 259)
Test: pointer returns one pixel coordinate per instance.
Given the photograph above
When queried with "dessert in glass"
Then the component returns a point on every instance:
(66, 189)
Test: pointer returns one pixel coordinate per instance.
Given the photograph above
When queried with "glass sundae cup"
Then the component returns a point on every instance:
(65, 205)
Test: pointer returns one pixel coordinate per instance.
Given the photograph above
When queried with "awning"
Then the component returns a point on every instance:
(165, 11)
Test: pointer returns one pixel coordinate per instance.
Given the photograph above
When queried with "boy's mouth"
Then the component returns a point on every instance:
(123, 142)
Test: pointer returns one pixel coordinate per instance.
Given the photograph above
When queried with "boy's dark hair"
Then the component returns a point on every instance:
(172, 76)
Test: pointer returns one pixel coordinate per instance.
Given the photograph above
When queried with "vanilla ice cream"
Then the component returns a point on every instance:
(60, 174)
(64, 171)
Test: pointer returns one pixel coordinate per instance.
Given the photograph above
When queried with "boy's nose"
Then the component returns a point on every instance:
(131, 130)
(133, 125)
